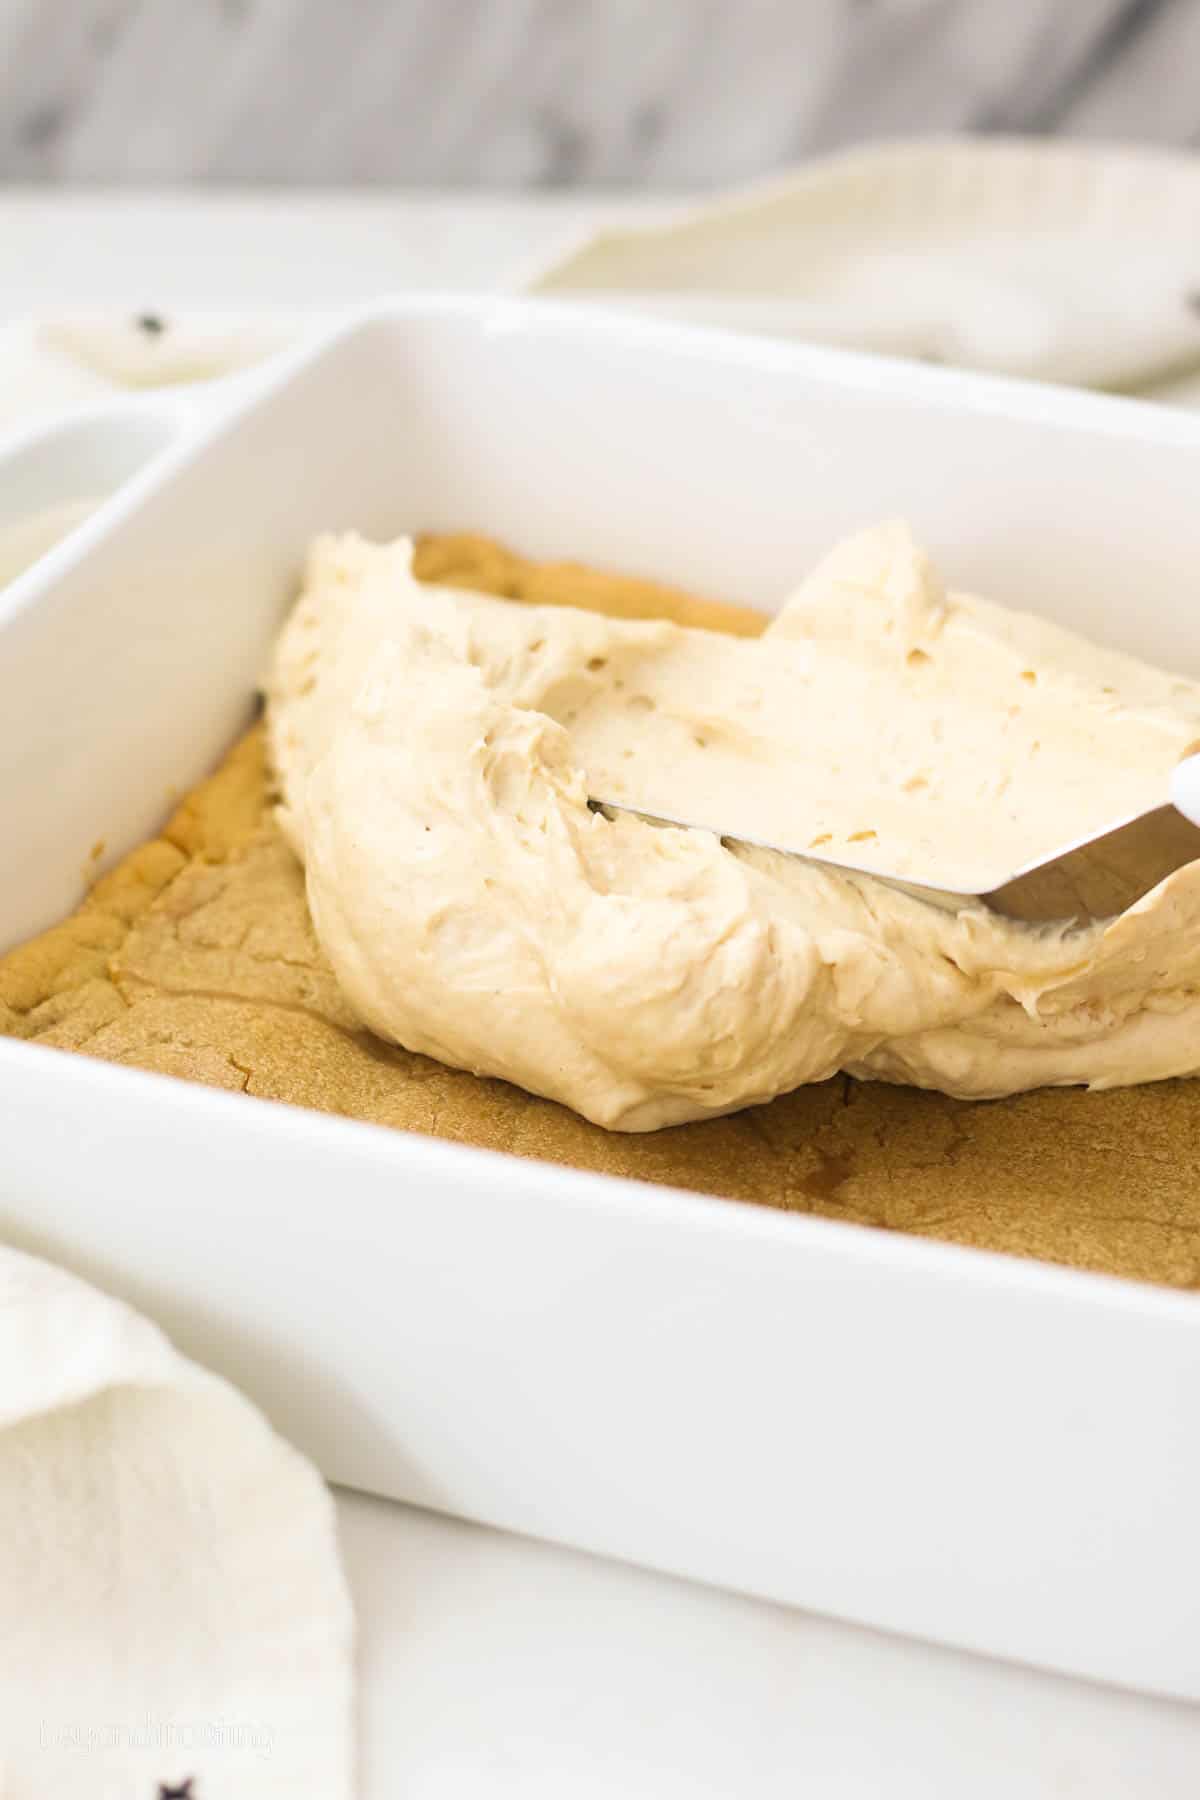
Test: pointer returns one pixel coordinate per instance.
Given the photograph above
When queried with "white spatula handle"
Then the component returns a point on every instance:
(1185, 788)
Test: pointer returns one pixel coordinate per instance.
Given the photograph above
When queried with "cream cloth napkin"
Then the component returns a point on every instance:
(172, 1606)
(1056, 261)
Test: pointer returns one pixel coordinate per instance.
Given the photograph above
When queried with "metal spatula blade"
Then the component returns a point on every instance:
(1087, 879)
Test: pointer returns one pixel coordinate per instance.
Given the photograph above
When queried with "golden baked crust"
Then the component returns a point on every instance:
(195, 957)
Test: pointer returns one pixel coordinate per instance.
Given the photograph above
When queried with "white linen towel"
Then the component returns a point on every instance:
(172, 1606)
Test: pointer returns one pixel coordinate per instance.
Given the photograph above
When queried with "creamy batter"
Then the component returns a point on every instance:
(436, 750)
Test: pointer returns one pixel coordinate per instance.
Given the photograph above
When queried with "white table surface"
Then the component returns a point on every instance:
(491, 1666)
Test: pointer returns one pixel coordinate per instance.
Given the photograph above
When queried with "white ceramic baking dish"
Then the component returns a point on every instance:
(942, 1442)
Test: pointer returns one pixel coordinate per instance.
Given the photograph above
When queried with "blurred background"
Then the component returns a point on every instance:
(551, 94)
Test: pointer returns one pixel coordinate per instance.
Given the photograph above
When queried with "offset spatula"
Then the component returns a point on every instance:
(1087, 879)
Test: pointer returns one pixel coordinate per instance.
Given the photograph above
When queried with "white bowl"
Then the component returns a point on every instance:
(940, 1441)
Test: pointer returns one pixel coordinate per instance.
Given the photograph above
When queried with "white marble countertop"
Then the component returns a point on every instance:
(560, 93)
(491, 1666)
